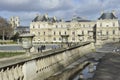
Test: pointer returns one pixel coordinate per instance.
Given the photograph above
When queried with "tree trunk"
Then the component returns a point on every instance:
(3, 35)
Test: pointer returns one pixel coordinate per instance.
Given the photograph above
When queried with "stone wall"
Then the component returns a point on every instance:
(42, 66)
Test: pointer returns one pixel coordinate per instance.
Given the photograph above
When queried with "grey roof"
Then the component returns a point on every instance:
(107, 16)
(43, 18)
(78, 19)
(40, 18)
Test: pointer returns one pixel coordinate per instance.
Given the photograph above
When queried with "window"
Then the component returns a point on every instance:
(59, 33)
(54, 33)
(44, 33)
(113, 31)
(60, 39)
(73, 38)
(79, 24)
(61, 26)
(44, 39)
(56, 26)
(82, 32)
(107, 25)
(88, 32)
(54, 39)
(83, 25)
(107, 33)
(65, 32)
(33, 26)
(100, 24)
(113, 24)
(38, 26)
(100, 32)
(38, 33)
(89, 25)
(73, 33)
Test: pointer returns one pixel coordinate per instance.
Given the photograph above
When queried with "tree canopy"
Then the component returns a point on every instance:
(6, 31)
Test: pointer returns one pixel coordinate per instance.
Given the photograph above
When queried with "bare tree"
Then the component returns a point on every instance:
(6, 30)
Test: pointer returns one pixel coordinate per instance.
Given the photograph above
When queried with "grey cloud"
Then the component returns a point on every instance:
(35, 5)
(27, 9)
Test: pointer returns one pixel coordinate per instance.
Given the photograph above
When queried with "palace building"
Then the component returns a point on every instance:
(50, 29)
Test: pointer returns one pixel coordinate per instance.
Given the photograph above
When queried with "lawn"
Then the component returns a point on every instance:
(10, 54)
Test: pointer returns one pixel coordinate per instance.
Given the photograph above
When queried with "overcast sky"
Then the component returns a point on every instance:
(65, 9)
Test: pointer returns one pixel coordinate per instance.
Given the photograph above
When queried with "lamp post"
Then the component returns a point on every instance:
(64, 39)
(27, 42)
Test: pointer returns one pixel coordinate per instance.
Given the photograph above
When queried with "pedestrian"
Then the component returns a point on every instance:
(38, 49)
(41, 48)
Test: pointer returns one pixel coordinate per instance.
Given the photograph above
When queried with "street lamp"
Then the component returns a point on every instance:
(27, 42)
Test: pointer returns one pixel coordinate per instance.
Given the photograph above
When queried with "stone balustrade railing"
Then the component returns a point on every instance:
(42, 66)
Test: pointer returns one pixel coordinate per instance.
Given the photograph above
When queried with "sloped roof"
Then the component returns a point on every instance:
(107, 16)
(78, 19)
(44, 18)
(40, 18)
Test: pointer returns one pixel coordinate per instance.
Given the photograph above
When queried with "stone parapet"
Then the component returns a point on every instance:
(41, 66)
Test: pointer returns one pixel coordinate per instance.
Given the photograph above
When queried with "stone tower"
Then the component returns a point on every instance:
(15, 21)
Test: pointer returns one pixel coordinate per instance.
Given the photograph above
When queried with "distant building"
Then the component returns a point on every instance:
(14, 21)
(107, 27)
(22, 29)
(49, 29)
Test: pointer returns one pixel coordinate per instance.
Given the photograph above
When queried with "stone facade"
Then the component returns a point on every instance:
(14, 21)
(48, 30)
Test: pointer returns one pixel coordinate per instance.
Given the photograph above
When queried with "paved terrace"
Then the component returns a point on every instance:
(109, 66)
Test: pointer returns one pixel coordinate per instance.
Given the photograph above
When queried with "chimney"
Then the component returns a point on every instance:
(114, 12)
(46, 15)
(102, 12)
(54, 17)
